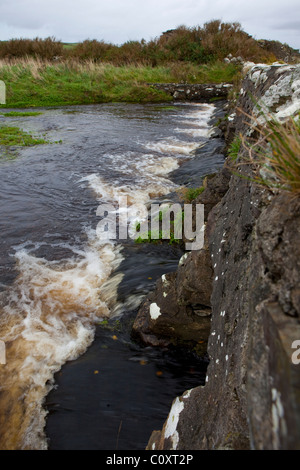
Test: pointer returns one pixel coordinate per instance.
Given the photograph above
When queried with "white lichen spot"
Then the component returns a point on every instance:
(216, 278)
(154, 311)
(172, 422)
(217, 361)
(206, 380)
(153, 446)
(165, 294)
(226, 357)
(213, 333)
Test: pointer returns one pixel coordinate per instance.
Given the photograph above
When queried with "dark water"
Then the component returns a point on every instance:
(103, 391)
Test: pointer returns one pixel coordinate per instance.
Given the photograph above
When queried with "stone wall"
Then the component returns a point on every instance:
(246, 278)
(196, 92)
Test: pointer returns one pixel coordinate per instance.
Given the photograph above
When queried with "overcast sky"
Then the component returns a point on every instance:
(118, 21)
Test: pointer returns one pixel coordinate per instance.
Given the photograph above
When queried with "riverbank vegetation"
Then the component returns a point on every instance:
(35, 82)
(46, 72)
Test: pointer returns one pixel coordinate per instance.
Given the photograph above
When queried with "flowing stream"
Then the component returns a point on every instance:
(59, 280)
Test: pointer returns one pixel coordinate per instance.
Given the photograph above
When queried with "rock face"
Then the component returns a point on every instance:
(246, 281)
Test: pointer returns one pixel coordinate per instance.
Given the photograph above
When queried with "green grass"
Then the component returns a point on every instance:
(234, 148)
(34, 83)
(189, 194)
(14, 136)
(21, 114)
(69, 45)
(156, 236)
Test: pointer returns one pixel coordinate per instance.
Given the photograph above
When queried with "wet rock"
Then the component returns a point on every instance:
(216, 187)
(174, 316)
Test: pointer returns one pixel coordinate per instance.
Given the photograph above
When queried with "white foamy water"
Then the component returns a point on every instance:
(47, 318)
(202, 132)
(149, 181)
(197, 122)
(172, 146)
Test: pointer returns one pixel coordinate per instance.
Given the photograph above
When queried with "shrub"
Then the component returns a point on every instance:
(48, 48)
(221, 39)
(90, 50)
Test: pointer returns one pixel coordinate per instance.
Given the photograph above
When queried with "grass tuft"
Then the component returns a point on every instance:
(274, 155)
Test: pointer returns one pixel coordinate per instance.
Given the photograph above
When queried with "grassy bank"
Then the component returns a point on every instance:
(35, 82)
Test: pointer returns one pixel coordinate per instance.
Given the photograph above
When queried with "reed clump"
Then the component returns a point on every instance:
(274, 153)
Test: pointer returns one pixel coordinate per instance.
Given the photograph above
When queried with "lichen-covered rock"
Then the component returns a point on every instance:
(266, 89)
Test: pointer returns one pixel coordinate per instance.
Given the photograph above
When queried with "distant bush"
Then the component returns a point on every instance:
(221, 39)
(48, 48)
(90, 50)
